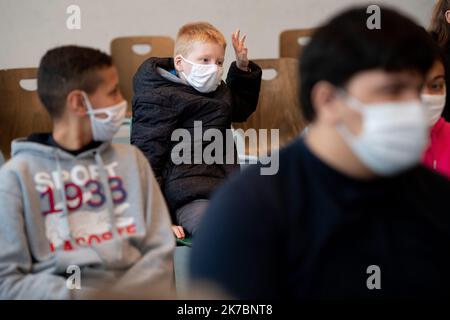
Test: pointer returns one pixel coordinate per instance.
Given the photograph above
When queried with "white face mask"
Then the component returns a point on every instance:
(434, 105)
(393, 138)
(203, 77)
(104, 129)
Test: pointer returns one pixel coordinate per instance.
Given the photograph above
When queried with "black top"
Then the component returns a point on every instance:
(160, 106)
(47, 139)
(312, 232)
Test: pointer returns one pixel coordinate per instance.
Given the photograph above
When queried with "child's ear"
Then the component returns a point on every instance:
(75, 103)
(325, 102)
(447, 16)
(177, 63)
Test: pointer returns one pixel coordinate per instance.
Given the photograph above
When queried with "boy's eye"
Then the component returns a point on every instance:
(220, 63)
(437, 86)
(205, 60)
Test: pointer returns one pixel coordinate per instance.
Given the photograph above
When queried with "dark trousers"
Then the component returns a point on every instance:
(190, 215)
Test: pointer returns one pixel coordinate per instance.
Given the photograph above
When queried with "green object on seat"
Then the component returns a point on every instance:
(184, 242)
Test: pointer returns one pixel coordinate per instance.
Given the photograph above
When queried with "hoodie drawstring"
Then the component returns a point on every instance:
(105, 182)
(63, 197)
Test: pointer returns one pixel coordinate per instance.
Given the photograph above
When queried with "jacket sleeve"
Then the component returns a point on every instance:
(154, 271)
(153, 123)
(245, 87)
(17, 281)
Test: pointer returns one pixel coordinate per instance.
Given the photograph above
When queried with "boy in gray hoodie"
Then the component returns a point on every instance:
(76, 212)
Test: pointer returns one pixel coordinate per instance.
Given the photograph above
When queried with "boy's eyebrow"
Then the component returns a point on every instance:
(438, 77)
(397, 84)
(211, 56)
(393, 84)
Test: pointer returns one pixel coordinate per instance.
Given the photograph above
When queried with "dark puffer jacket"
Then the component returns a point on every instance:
(160, 106)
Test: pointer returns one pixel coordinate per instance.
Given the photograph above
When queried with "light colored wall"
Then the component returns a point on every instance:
(29, 27)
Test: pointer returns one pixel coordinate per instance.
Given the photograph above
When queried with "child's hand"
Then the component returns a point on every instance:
(240, 50)
(178, 231)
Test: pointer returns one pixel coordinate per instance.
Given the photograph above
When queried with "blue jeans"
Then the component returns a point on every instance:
(189, 215)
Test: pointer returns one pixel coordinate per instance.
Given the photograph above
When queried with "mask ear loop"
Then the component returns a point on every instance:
(185, 76)
(90, 109)
(353, 104)
(91, 112)
(350, 101)
(198, 64)
(87, 102)
(186, 60)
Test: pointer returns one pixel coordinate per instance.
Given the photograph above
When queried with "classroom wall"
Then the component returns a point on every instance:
(29, 27)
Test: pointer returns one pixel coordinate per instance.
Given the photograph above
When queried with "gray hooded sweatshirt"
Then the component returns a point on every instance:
(109, 220)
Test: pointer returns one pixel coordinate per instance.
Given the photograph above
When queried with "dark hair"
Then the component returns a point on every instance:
(443, 58)
(440, 55)
(68, 68)
(439, 25)
(346, 46)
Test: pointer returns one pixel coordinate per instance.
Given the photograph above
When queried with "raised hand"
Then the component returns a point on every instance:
(240, 50)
